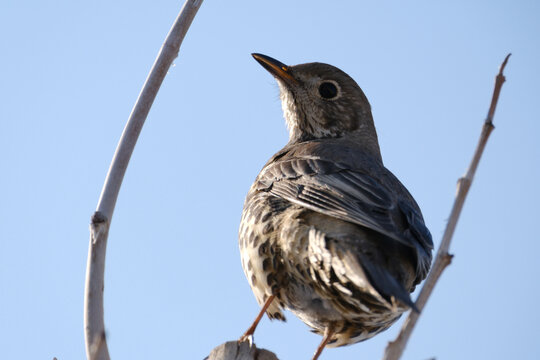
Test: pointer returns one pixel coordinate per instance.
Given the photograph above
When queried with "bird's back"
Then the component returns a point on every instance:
(335, 236)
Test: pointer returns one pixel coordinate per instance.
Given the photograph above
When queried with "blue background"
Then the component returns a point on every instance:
(70, 73)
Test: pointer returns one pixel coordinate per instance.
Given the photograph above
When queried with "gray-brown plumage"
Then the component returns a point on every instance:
(327, 231)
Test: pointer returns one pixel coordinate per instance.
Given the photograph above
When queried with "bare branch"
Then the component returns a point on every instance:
(96, 344)
(395, 348)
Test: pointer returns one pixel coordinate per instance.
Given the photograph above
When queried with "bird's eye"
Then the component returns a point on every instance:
(328, 90)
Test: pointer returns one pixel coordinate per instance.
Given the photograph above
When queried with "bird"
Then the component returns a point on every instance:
(327, 232)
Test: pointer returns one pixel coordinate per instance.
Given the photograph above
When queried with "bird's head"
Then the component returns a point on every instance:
(320, 101)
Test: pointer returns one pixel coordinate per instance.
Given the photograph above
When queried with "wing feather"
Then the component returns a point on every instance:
(338, 190)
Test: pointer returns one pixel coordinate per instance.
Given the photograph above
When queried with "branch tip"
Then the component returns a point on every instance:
(503, 65)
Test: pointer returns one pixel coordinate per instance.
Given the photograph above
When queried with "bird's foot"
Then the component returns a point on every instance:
(248, 335)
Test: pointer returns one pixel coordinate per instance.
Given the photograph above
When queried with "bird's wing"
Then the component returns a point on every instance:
(345, 266)
(352, 195)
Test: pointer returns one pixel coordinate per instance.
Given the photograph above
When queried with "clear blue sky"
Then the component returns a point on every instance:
(71, 72)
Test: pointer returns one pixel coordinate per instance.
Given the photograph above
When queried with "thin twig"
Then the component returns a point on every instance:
(94, 326)
(395, 348)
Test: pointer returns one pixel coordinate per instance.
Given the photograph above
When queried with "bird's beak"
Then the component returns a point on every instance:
(275, 67)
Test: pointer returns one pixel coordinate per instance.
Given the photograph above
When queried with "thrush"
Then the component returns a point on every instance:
(327, 231)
